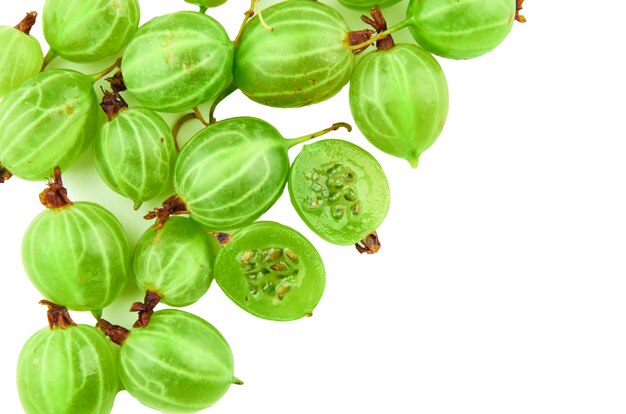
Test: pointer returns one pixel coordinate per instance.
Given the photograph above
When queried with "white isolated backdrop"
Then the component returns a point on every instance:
(501, 284)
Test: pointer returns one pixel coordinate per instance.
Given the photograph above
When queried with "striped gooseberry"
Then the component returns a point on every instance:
(21, 54)
(178, 61)
(89, 30)
(367, 4)
(232, 172)
(75, 253)
(340, 191)
(67, 368)
(175, 261)
(271, 271)
(48, 120)
(174, 361)
(399, 97)
(135, 151)
(305, 59)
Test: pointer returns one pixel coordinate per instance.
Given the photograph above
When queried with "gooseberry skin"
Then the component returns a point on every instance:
(460, 29)
(399, 100)
(207, 3)
(303, 61)
(48, 121)
(358, 192)
(176, 261)
(367, 4)
(88, 30)
(21, 58)
(77, 255)
(178, 363)
(232, 172)
(282, 288)
(67, 371)
(178, 61)
(135, 154)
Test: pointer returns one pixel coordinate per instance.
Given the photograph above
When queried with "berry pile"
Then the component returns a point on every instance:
(292, 54)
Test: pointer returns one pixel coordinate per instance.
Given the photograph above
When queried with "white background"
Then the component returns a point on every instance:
(501, 285)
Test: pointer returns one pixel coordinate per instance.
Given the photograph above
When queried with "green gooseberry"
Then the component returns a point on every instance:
(67, 368)
(367, 4)
(76, 254)
(21, 54)
(233, 171)
(89, 30)
(135, 151)
(304, 60)
(175, 261)
(49, 120)
(460, 29)
(399, 100)
(339, 190)
(271, 271)
(178, 61)
(176, 362)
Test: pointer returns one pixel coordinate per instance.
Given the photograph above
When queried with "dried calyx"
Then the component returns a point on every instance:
(117, 82)
(27, 22)
(4, 174)
(369, 245)
(58, 316)
(223, 238)
(117, 334)
(378, 22)
(55, 196)
(518, 8)
(171, 207)
(145, 308)
(112, 103)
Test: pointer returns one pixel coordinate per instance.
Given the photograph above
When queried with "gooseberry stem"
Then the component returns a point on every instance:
(50, 56)
(378, 22)
(171, 207)
(97, 76)
(117, 334)
(236, 381)
(203, 9)
(381, 35)
(58, 316)
(145, 308)
(179, 124)
(199, 116)
(247, 16)
(333, 127)
(369, 245)
(55, 196)
(518, 9)
(27, 22)
(4, 174)
(230, 88)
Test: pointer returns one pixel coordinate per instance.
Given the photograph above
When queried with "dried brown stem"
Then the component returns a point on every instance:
(116, 333)
(171, 207)
(145, 308)
(55, 196)
(369, 245)
(58, 316)
(112, 103)
(518, 9)
(27, 22)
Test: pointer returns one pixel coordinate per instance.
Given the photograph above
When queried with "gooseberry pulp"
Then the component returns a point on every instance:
(339, 190)
(304, 60)
(399, 100)
(271, 271)
(76, 254)
(175, 261)
(89, 30)
(367, 4)
(178, 61)
(67, 368)
(178, 362)
(48, 121)
(233, 171)
(135, 151)
(21, 54)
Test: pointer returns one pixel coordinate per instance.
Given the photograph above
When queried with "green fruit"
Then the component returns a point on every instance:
(460, 29)
(367, 4)
(89, 30)
(135, 154)
(399, 100)
(178, 61)
(304, 60)
(48, 121)
(271, 271)
(77, 255)
(178, 363)
(67, 370)
(175, 261)
(233, 171)
(21, 58)
(339, 190)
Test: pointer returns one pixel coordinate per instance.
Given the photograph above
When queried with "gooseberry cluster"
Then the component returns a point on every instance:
(292, 54)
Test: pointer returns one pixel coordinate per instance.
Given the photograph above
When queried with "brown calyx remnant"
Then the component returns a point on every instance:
(116, 333)
(379, 24)
(518, 8)
(369, 245)
(117, 82)
(223, 238)
(27, 22)
(58, 316)
(145, 309)
(4, 174)
(171, 207)
(55, 196)
(360, 36)
(112, 103)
